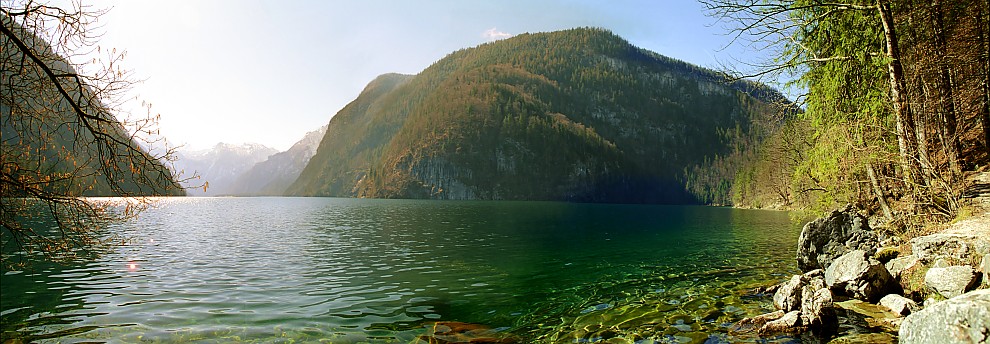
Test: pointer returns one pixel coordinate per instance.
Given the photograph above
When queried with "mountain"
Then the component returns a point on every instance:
(51, 147)
(272, 176)
(575, 115)
(220, 166)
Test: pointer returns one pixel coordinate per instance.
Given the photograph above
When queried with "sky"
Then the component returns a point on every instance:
(267, 72)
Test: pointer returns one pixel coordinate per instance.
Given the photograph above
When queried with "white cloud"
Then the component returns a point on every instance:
(494, 35)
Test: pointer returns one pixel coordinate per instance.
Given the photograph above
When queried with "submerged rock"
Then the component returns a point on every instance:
(755, 323)
(460, 332)
(865, 338)
(962, 319)
(875, 317)
(829, 237)
(952, 281)
(858, 275)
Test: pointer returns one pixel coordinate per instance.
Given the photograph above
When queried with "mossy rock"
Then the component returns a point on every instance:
(885, 254)
(913, 282)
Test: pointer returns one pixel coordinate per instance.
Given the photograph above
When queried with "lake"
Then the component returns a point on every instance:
(356, 270)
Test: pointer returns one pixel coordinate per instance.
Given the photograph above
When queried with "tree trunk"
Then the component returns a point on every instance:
(945, 99)
(881, 197)
(906, 138)
(981, 29)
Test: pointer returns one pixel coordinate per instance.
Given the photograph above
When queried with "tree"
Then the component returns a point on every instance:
(875, 70)
(65, 135)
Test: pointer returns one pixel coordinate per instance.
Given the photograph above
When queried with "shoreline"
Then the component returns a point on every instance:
(903, 286)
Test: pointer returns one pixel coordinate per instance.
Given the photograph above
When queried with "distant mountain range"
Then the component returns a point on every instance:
(272, 176)
(220, 166)
(575, 115)
(248, 169)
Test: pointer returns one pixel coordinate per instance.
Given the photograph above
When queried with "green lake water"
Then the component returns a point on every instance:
(352, 271)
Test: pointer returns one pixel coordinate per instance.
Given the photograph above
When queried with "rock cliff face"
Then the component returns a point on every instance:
(576, 115)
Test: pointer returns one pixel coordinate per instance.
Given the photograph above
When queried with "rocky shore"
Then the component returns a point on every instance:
(928, 289)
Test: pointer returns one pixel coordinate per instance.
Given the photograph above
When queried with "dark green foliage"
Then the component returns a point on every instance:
(577, 115)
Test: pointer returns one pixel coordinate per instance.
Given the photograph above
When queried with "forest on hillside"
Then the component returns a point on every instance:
(897, 109)
(577, 115)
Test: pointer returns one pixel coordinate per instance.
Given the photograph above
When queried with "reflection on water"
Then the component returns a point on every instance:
(345, 270)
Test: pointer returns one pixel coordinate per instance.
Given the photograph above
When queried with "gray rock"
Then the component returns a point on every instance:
(960, 246)
(899, 304)
(817, 309)
(952, 281)
(858, 275)
(788, 296)
(897, 265)
(810, 298)
(962, 319)
(755, 323)
(829, 237)
(789, 323)
(941, 262)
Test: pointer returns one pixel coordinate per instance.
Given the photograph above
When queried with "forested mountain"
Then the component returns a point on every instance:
(578, 115)
(219, 167)
(53, 147)
(272, 176)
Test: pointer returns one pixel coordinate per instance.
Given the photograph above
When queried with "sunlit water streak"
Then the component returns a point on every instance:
(345, 270)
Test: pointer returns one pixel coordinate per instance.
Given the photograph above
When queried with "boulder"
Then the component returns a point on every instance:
(962, 319)
(817, 309)
(804, 303)
(788, 295)
(952, 281)
(899, 304)
(858, 275)
(789, 323)
(829, 237)
(897, 265)
(960, 243)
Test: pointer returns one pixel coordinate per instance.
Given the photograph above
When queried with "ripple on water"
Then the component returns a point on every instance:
(241, 270)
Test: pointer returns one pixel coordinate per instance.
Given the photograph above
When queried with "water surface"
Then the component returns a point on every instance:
(351, 271)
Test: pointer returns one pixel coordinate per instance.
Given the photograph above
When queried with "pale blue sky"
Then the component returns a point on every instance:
(269, 71)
